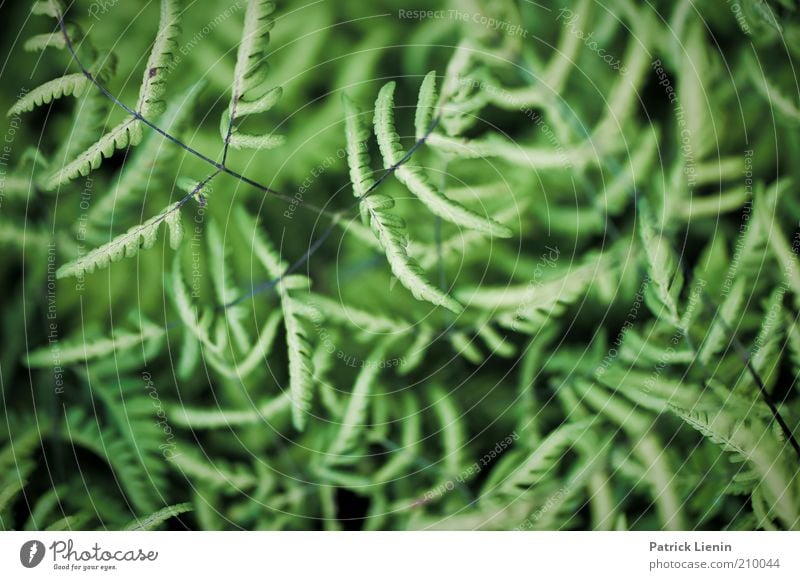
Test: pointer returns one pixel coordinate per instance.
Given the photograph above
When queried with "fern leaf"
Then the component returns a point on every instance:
(128, 244)
(355, 416)
(70, 352)
(256, 354)
(415, 354)
(248, 77)
(768, 348)
(154, 520)
(426, 103)
(345, 314)
(666, 278)
(755, 444)
(198, 324)
(301, 370)
(452, 428)
(775, 96)
(301, 374)
(70, 84)
(162, 56)
(251, 70)
(258, 142)
(416, 180)
(39, 42)
(127, 134)
(543, 461)
(718, 336)
(151, 159)
(130, 470)
(410, 441)
(388, 228)
(219, 475)
(201, 418)
(528, 308)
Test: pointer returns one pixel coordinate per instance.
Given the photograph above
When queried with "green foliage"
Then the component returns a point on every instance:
(563, 294)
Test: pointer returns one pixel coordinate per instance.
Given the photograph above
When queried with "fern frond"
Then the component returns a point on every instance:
(355, 416)
(784, 103)
(301, 370)
(74, 351)
(410, 440)
(767, 352)
(256, 353)
(544, 459)
(131, 473)
(251, 69)
(154, 520)
(452, 428)
(247, 94)
(218, 475)
(162, 56)
(224, 288)
(387, 227)
(666, 277)
(415, 179)
(151, 158)
(415, 354)
(55, 39)
(128, 133)
(70, 84)
(16, 466)
(128, 244)
(52, 8)
(784, 251)
(753, 442)
(527, 156)
(371, 322)
(426, 105)
(527, 308)
(718, 337)
(201, 418)
(196, 323)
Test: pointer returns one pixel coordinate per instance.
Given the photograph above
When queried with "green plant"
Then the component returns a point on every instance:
(566, 300)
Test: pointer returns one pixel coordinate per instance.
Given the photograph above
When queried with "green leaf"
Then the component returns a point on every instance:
(416, 180)
(128, 244)
(387, 227)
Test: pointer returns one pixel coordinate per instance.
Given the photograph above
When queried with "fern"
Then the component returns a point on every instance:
(150, 104)
(247, 94)
(568, 294)
(662, 268)
(750, 444)
(155, 519)
(355, 414)
(414, 178)
(162, 56)
(129, 244)
(204, 419)
(71, 84)
(388, 228)
(81, 350)
(301, 371)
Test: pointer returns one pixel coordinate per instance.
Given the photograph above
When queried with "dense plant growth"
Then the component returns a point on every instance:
(326, 265)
